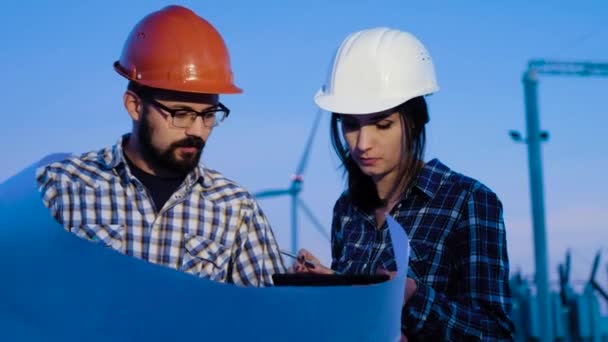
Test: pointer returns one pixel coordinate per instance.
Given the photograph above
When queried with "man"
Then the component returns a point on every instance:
(147, 196)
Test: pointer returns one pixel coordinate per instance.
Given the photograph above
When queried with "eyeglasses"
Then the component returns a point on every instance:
(184, 118)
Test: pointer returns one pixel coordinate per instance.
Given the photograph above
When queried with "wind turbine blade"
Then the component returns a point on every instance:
(314, 220)
(271, 193)
(309, 143)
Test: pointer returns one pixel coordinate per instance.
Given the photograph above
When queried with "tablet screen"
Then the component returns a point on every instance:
(312, 279)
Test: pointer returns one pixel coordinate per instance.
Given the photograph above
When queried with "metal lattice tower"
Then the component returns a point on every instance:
(534, 137)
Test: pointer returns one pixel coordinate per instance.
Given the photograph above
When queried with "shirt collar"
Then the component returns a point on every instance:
(430, 178)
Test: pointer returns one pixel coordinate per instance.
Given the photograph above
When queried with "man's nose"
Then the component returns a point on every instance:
(198, 128)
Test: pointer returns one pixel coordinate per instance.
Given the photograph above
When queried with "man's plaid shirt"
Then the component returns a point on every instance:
(458, 256)
(210, 227)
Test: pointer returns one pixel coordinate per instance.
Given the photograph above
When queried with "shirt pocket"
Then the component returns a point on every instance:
(205, 258)
(419, 264)
(355, 258)
(109, 235)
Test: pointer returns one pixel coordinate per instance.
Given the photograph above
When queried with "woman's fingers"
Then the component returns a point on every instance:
(308, 263)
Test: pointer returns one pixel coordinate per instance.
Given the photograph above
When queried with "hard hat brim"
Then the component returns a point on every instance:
(196, 86)
(362, 105)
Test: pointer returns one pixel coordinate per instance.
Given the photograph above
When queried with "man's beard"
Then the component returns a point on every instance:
(167, 159)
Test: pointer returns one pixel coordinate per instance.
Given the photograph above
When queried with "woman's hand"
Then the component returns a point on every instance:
(308, 263)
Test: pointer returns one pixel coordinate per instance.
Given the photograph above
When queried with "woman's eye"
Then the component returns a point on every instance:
(384, 125)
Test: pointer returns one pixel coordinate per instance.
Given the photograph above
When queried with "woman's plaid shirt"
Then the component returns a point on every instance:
(210, 227)
(458, 256)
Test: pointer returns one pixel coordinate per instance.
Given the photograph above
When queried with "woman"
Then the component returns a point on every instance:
(457, 286)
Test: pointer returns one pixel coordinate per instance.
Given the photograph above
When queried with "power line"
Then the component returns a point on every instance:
(578, 41)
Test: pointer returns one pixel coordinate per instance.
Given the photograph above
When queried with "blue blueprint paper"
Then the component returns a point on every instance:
(55, 286)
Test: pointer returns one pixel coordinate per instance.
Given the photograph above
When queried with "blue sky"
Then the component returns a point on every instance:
(60, 93)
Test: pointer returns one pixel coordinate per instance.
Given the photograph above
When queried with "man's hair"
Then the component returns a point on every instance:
(361, 188)
(140, 89)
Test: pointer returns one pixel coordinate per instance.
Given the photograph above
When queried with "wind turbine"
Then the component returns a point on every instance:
(294, 190)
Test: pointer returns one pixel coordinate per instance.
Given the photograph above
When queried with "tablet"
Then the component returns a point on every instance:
(312, 279)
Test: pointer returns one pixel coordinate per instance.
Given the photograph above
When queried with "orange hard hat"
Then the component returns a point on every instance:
(175, 49)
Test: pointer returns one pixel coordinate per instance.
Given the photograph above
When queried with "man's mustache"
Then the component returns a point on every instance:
(197, 143)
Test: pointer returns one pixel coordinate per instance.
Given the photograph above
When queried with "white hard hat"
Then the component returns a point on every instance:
(375, 70)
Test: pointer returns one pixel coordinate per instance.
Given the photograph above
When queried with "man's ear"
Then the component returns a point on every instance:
(133, 104)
